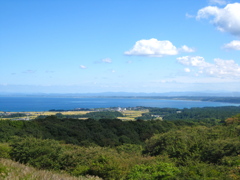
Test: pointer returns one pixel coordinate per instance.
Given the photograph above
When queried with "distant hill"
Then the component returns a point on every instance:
(128, 94)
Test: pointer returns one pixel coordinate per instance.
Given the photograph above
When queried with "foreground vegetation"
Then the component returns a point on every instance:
(11, 170)
(113, 149)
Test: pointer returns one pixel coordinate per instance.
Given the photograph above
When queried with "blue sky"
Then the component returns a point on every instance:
(87, 46)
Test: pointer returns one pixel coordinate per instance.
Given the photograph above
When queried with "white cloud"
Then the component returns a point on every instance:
(233, 45)
(155, 48)
(220, 68)
(107, 60)
(152, 48)
(187, 70)
(219, 2)
(196, 61)
(226, 19)
(83, 67)
(185, 48)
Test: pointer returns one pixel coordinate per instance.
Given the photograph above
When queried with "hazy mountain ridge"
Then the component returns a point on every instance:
(128, 94)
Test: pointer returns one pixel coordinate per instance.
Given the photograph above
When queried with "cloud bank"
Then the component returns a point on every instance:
(156, 48)
(226, 19)
(233, 45)
(220, 68)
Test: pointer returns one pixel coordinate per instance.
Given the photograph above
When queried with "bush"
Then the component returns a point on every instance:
(37, 152)
(216, 150)
(4, 150)
(199, 171)
(160, 170)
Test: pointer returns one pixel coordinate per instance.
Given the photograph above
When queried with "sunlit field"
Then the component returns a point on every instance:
(129, 115)
(33, 115)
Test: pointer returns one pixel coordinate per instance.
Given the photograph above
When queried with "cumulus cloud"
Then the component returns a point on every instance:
(233, 45)
(155, 48)
(185, 48)
(220, 68)
(226, 19)
(196, 61)
(107, 60)
(83, 67)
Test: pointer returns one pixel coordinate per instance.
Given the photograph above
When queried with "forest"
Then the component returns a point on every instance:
(196, 144)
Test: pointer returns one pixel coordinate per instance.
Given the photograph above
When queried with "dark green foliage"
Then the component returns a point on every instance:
(206, 114)
(43, 154)
(103, 115)
(104, 132)
(214, 151)
(115, 149)
(92, 115)
(204, 144)
(12, 115)
(203, 116)
(130, 149)
(199, 171)
(50, 154)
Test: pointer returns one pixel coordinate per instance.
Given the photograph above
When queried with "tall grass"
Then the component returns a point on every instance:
(11, 170)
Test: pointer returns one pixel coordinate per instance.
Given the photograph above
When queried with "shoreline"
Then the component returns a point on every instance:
(41, 104)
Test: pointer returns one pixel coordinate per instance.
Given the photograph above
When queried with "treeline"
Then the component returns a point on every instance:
(12, 115)
(173, 150)
(219, 113)
(228, 99)
(211, 115)
(103, 132)
(221, 99)
(93, 115)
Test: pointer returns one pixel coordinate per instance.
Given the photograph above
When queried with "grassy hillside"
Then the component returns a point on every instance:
(112, 149)
(11, 170)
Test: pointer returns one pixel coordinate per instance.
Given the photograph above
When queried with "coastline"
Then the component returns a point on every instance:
(46, 103)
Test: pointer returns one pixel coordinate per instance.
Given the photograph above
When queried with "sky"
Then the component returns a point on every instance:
(91, 46)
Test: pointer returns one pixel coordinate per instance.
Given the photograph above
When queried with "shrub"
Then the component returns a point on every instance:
(4, 150)
(39, 153)
(160, 170)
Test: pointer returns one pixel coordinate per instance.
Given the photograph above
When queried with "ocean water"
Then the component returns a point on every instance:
(23, 104)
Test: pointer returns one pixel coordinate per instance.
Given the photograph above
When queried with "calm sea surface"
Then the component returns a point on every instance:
(19, 104)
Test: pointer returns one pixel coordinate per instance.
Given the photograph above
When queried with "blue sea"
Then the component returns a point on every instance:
(24, 104)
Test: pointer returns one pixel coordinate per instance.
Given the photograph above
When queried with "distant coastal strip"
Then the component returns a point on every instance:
(46, 103)
(189, 98)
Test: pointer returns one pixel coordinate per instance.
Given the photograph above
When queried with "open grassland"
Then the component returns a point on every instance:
(11, 170)
(129, 115)
(33, 114)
